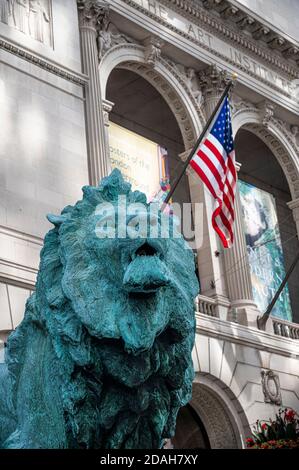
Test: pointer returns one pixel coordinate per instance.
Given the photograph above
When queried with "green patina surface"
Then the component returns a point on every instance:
(102, 358)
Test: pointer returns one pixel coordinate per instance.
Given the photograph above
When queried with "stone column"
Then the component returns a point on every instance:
(230, 267)
(91, 15)
(211, 268)
(238, 272)
(212, 82)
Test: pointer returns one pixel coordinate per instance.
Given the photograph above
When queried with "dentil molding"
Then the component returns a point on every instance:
(213, 12)
(46, 64)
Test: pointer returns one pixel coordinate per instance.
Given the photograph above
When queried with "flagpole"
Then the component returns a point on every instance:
(261, 321)
(197, 143)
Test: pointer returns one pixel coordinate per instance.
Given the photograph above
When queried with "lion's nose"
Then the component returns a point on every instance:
(146, 272)
(145, 250)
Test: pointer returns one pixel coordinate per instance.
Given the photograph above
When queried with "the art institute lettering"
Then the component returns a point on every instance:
(214, 43)
(241, 59)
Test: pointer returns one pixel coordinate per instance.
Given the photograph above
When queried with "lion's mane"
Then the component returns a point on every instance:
(97, 363)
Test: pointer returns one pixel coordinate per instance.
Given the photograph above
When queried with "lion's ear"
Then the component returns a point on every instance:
(57, 219)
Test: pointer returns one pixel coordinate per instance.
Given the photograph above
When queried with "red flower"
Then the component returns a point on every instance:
(264, 426)
(249, 442)
(290, 415)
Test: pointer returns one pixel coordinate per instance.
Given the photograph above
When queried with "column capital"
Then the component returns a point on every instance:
(92, 13)
(213, 80)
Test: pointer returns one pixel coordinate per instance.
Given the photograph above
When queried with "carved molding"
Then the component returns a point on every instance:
(92, 13)
(219, 29)
(46, 64)
(240, 20)
(152, 50)
(165, 86)
(215, 418)
(267, 112)
(213, 80)
(189, 80)
(108, 35)
(32, 18)
(271, 387)
(275, 133)
(169, 94)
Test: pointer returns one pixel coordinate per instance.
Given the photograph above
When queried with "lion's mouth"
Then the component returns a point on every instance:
(146, 273)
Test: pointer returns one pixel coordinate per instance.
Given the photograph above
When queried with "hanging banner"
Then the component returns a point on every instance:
(264, 249)
(142, 162)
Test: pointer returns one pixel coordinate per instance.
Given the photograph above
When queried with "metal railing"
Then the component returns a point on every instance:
(206, 305)
(285, 328)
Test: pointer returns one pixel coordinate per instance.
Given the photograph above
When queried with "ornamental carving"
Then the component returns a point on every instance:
(109, 36)
(267, 112)
(152, 50)
(239, 18)
(192, 81)
(169, 94)
(285, 147)
(31, 17)
(215, 418)
(271, 387)
(212, 81)
(168, 87)
(92, 13)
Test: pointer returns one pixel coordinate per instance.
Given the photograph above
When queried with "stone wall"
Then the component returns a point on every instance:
(43, 156)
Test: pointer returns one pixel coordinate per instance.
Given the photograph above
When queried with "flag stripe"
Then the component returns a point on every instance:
(203, 177)
(214, 162)
(206, 171)
(214, 150)
(212, 169)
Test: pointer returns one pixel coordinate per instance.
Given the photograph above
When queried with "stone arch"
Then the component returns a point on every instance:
(220, 412)
(167, 81)
(275, 135)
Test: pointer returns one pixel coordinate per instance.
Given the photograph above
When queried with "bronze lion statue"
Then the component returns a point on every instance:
(102, 358)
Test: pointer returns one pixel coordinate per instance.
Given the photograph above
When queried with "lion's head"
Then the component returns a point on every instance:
(111, 327)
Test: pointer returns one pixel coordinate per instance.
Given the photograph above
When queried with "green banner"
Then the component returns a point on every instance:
(264, 248)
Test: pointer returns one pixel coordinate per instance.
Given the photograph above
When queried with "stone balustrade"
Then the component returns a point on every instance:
(206, 305)
(285, 328)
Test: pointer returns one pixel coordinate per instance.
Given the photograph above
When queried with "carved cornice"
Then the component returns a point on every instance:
(228, 32)
(241, 20)
(221, 30)
(92, 13)
(46, 64)
(282, 147)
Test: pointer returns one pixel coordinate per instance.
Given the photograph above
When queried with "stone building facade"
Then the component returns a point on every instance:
(156, 67)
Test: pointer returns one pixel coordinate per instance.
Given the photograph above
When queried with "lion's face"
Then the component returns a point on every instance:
(129, 289)
(121, 319)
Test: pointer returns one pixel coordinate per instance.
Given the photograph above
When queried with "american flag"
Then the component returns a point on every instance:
(214, 162)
